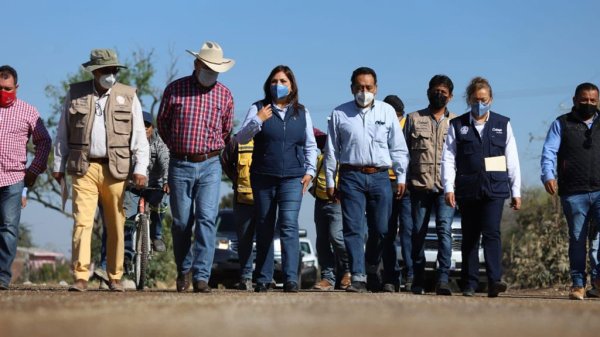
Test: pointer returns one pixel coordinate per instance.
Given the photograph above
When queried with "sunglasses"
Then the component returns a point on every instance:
(108, 70)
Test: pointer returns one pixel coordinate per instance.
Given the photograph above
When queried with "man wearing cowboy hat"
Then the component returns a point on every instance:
(100, 130)
(195, 120)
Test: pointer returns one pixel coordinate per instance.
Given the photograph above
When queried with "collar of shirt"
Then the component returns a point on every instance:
(280, 111)
(444, 116)
(475, 122)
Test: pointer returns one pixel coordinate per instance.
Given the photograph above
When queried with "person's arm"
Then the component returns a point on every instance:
(139, 146)
(42, 143)
(448, 161)
(310, 148)
(61, 143)
(227, 121)
(550, 152)
(163, 119)
(332, 151)
(512, 163)
(398, 150)
(163, 159)
(251, 126)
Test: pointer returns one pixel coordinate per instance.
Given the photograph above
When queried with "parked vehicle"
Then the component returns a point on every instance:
(226, 265)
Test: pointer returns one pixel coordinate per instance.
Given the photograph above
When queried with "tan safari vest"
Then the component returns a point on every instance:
(425, 141)
(402, 121)
(244, 190)
(117, 119)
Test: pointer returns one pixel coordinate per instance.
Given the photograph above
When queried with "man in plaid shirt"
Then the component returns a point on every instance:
(195, 121)
(18, 122)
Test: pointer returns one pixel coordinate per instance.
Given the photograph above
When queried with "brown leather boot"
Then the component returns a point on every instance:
(79, 285)
(116, 285)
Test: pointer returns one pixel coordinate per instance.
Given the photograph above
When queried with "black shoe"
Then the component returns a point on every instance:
(443, 288)
(3, 286)
(388, 288)
(497, 288)
(182, 282)
(417, 290)
(201, 287)
(261, 288)
(469, 292)
(245, 284)
(357, 287)
(290, 287)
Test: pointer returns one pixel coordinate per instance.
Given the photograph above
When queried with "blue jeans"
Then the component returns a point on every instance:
(130, 205)
(245, 226)
(400, 222)
(423, 202)
(194, 201)
(10, 216)
(594, 242)
(371, 194)
(331, 249)
(276, 199)
(579, 209)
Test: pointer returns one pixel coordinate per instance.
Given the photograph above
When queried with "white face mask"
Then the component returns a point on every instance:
(207, 77)
(364, 98)
(107, 81)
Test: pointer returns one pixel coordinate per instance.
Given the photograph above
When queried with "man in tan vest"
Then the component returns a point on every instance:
(100, 130)
(425, 132)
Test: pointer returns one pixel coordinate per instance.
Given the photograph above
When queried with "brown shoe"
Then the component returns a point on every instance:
(183, 282)
(79, 285)
(116, 285)
(577, 293)
(201, 287)
(323, 285)
(346, 281)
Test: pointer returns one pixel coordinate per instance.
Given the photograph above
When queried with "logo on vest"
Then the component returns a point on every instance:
(120, 99)
(464, 130)
(498, 131)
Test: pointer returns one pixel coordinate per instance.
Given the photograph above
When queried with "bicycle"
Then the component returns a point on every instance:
(140, 237)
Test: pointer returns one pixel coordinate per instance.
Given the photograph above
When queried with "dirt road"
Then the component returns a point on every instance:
(37, 312)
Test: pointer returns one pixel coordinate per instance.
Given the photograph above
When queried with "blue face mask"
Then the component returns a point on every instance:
(279, 91)
(479, 109)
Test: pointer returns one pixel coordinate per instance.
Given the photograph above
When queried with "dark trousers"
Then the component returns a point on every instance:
(481, 218)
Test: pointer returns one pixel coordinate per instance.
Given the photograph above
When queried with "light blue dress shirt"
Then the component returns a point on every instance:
(252, 125)
(365, 137)
(550, 150)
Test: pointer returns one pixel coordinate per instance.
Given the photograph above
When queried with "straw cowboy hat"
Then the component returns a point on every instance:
(101, 58)
(212, 55)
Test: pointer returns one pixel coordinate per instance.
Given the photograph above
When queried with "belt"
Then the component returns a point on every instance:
(362, 169)
(103, 160)
(195, 158)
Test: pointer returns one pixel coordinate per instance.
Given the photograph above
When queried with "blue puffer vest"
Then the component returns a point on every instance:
(279, 146)
(472, 180)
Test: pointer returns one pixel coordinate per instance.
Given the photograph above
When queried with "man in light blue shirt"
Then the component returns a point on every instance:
(364, 141)
(570, 161)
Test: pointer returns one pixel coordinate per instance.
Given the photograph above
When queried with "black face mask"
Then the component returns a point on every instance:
(437, 100)
(586, 111)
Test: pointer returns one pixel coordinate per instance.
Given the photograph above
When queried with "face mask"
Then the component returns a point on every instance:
(207, 77)
(7, 98)
(279, 91)
(364, 98)
(437, 100)
(107, 81)
(479, 109)
(586, 111)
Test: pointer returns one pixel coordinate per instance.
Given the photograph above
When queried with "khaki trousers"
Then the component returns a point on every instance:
(98, 184)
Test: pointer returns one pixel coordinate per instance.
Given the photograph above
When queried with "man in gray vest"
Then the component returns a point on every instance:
(570, 161)
(426, 131)
(100, 130)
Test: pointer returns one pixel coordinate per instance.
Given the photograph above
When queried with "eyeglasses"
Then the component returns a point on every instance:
(108, 70)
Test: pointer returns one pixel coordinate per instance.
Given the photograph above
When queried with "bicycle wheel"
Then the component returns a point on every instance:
(142, 248)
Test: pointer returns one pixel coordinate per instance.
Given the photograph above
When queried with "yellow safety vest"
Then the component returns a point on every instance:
(244, 190)
(391, 171)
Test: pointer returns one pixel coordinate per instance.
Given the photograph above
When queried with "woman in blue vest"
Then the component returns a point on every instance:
(283, 164)
(480, 169)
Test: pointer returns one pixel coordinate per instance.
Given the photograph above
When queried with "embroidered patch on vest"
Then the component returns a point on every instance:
(464, 130)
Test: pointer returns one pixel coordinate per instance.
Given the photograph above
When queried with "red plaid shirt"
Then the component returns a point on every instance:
(17, 123)
(195, 120)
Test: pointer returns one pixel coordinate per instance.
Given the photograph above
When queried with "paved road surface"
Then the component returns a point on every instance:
(56, 312)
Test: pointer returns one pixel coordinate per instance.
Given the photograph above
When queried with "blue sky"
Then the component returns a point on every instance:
(533, 53)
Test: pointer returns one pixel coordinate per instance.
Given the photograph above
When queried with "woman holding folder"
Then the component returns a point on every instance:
(480, 169)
